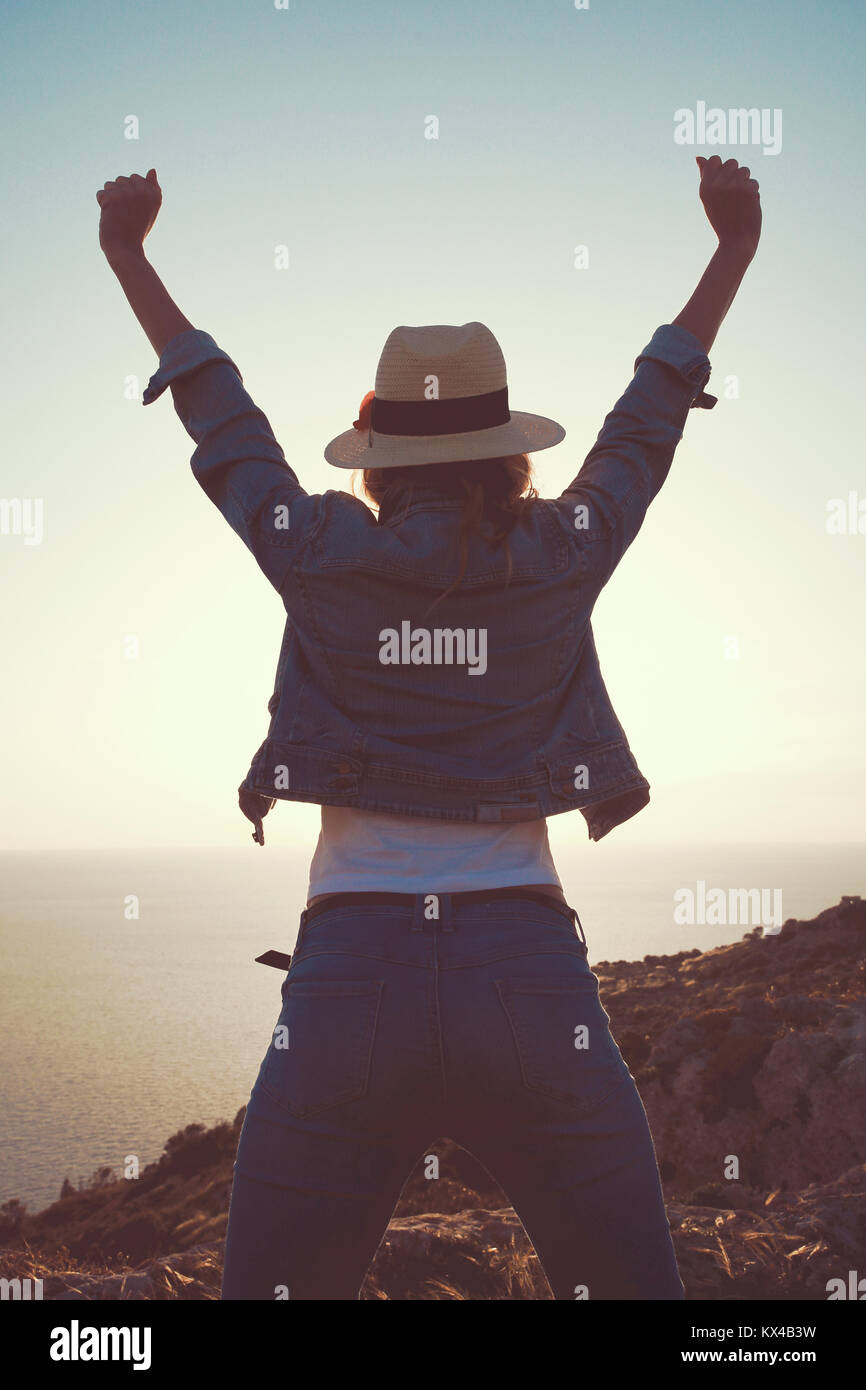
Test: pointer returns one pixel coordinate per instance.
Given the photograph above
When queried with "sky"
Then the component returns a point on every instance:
(730, 637)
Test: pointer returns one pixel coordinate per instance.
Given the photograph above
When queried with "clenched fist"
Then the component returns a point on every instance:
(129, 208)
(731, 201)
(255, 808)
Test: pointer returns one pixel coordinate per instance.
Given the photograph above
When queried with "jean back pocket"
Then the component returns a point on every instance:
(322, 1046)
(563, 1040)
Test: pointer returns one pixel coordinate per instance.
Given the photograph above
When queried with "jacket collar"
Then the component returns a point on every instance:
(424, 494)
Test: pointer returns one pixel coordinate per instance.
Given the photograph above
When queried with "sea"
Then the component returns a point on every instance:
(132, 1005)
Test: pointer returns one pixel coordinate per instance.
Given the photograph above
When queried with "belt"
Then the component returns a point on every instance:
(281, 961)
(408, 899)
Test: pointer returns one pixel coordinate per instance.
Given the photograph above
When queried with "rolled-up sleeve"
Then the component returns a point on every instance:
(180, 357)
(604, 506)
(238, 461)
(678, 348)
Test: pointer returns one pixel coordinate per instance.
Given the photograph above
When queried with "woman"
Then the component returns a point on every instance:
(440, 983)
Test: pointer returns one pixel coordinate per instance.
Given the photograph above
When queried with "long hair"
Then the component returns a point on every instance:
(494, 490)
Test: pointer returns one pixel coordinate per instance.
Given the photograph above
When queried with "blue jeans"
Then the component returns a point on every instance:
(480, 1022)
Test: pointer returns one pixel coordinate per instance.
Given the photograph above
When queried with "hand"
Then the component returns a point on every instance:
(129, 208)
(731, 201)
(255, 808)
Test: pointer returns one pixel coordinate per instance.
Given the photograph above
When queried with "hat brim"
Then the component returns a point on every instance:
(521, 434)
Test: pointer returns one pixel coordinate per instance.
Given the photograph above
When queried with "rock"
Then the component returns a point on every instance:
(751, 1063)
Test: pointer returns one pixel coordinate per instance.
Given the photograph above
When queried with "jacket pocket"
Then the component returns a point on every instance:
(322, 1047)
(563, 1039)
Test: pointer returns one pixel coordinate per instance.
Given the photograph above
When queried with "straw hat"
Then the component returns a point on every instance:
(441, 394)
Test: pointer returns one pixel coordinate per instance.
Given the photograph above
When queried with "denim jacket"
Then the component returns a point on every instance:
(493, 707)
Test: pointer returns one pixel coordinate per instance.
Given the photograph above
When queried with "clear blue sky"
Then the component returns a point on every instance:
(306, 127)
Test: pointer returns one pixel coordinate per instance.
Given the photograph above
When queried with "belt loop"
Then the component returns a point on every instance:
(579, 926)
(418, 913)
(446, 912)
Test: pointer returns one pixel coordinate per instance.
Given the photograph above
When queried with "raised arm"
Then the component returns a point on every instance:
(732, 203)
(606, 503)
(129, 208)
(238, 462)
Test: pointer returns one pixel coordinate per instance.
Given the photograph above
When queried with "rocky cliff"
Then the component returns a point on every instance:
(751, 1062)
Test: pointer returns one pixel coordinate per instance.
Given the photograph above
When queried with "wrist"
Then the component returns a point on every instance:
(122, 253)
(738, 248)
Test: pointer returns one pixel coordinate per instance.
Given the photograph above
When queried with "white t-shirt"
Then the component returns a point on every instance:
(372, 850)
